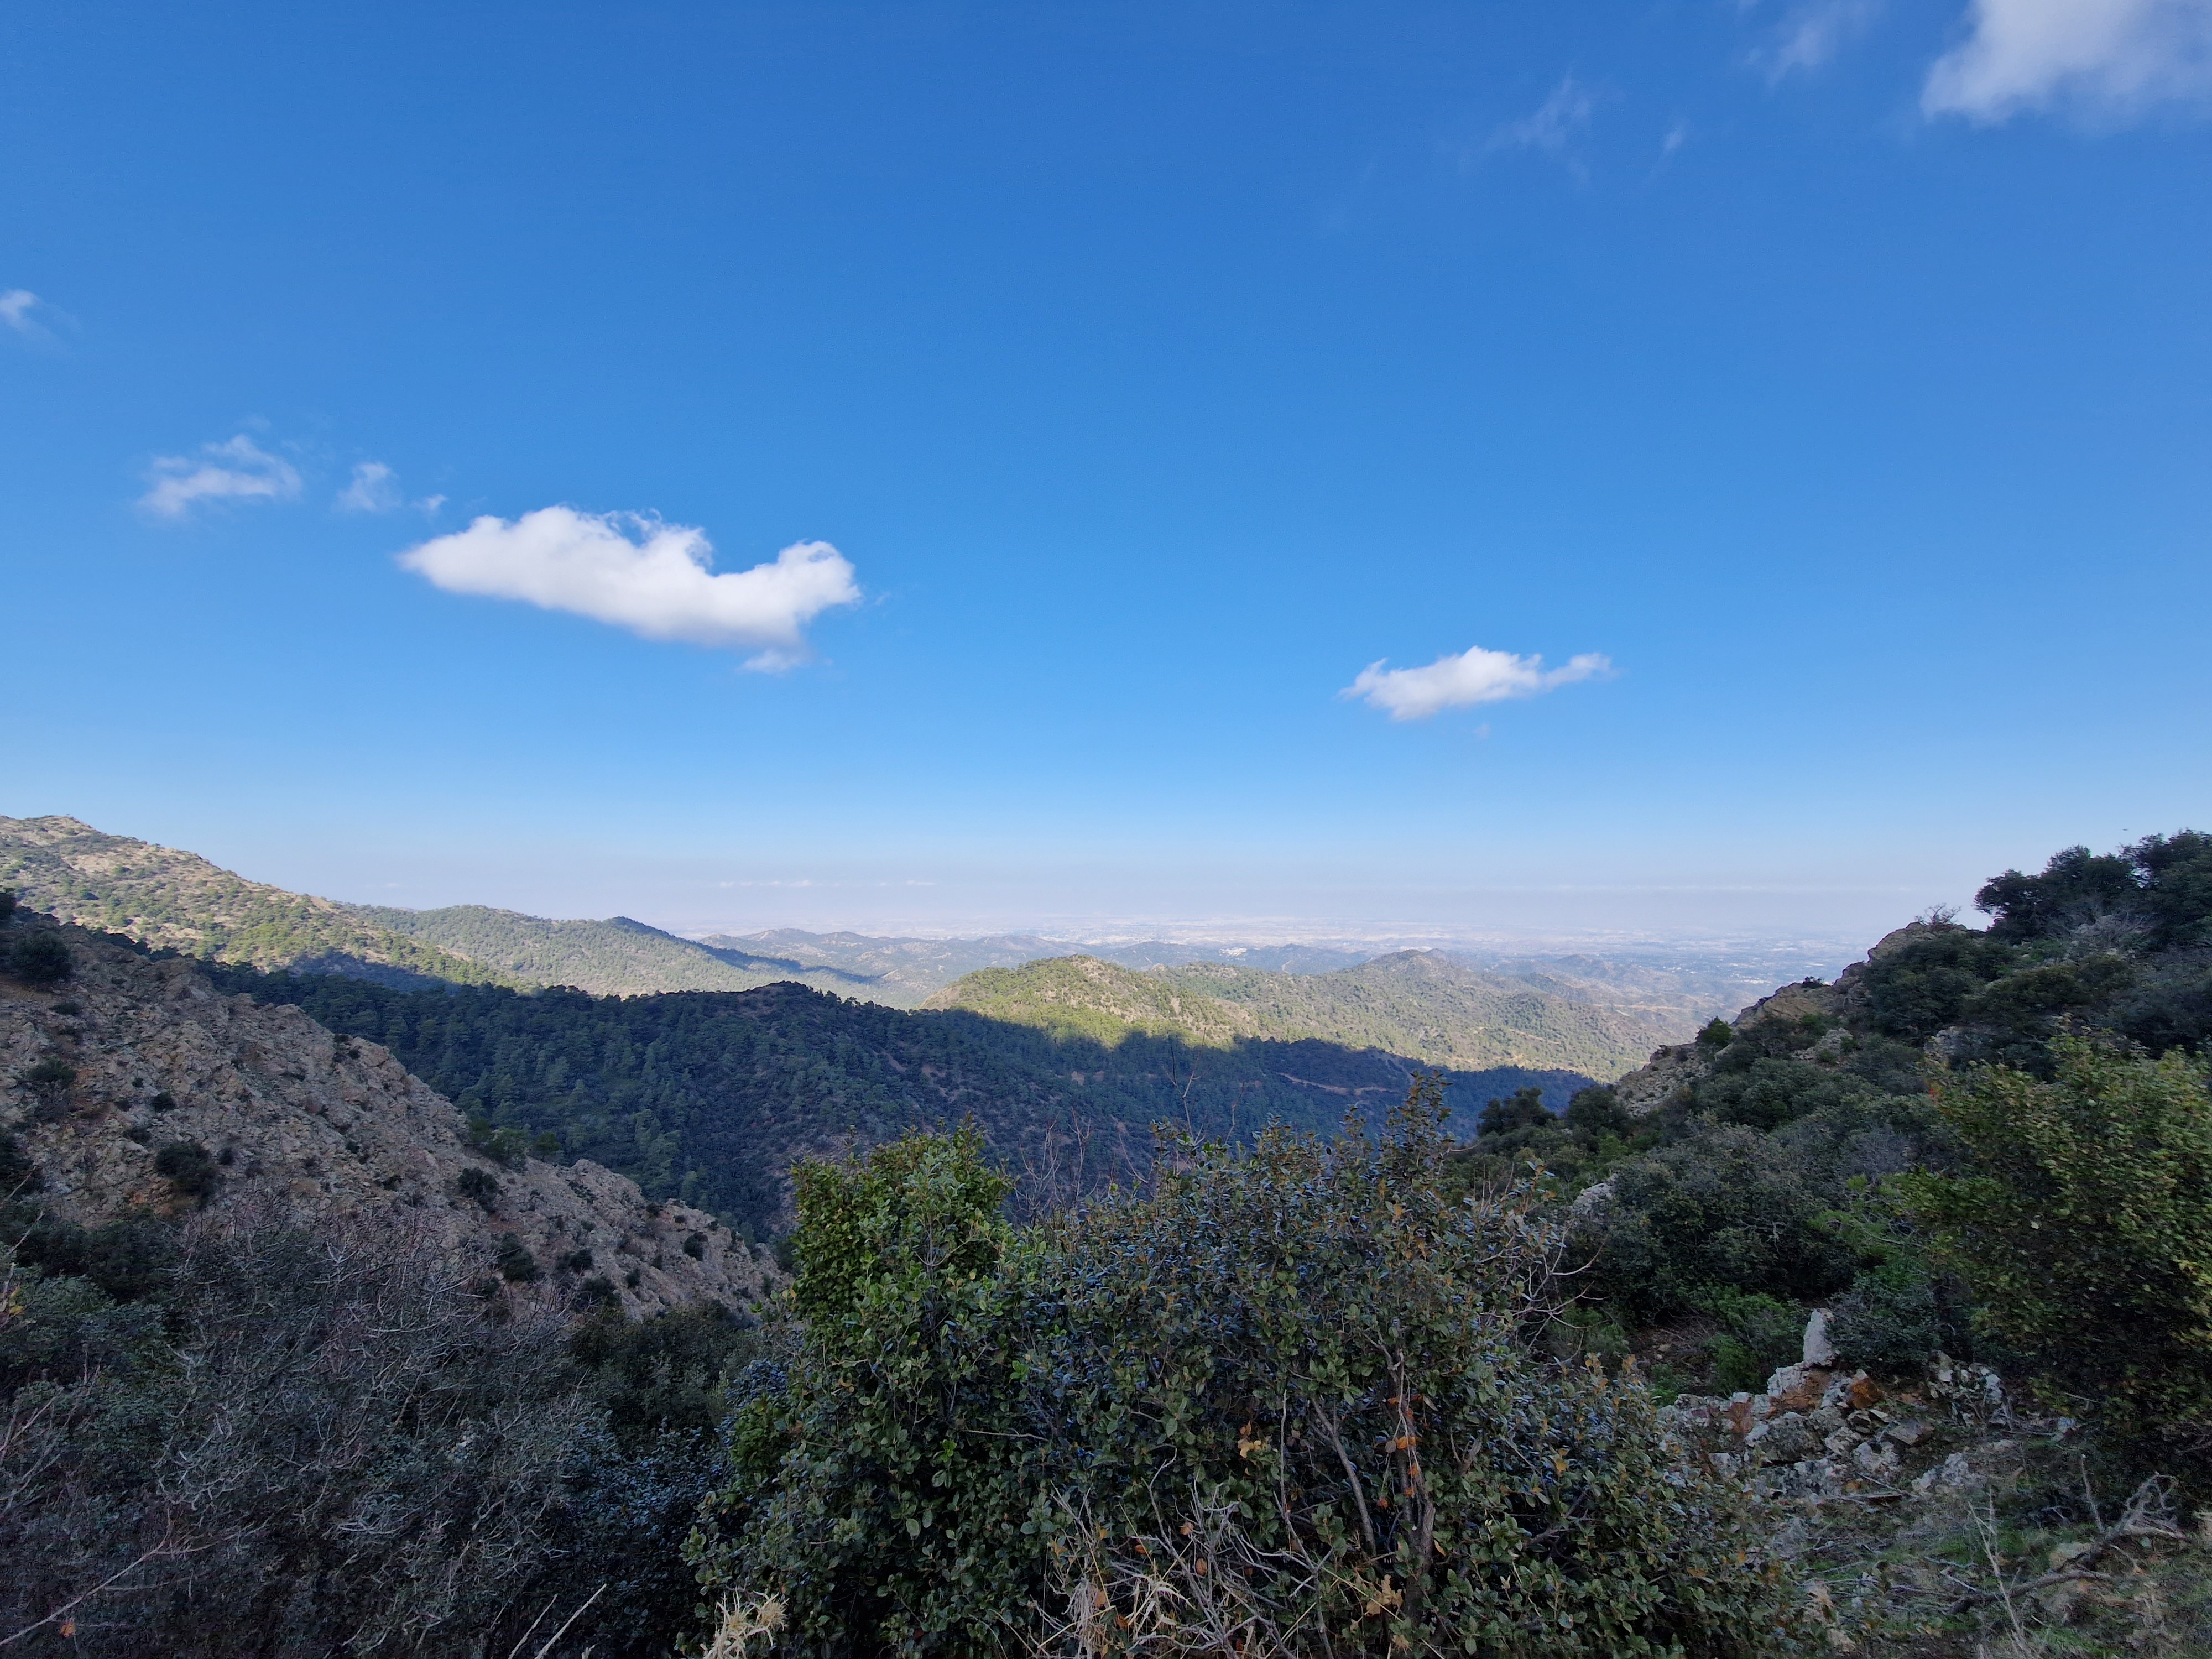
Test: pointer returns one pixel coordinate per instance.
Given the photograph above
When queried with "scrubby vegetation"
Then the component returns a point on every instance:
(1389, 1392)
(1293, 1401)
(247, 1433)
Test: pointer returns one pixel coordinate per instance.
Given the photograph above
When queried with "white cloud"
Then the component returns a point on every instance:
(373, 489)
(2111, 58)
(1558, 121)
(15, 307)
(239, 471)
(657, 582)
(1474, 676)
(1813, 32)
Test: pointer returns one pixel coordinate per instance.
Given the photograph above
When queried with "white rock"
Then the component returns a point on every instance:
(1819, 1350)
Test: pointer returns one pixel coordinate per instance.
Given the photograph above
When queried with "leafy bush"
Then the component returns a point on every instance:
(40, 959)
(1294, 1399)
(1757, 1334)
(515, 1263)
(2085, 1223)
(50, 1081)
(17, 1172)
(480, 1185)
(190, 1167)
(1722, 1206)
(1595, 1113)
(1523, 1110)
(1922, 983)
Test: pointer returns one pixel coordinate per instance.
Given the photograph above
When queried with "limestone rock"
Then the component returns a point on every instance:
(1819, 1350)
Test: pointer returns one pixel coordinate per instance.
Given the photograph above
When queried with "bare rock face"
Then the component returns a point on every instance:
(286, 1111)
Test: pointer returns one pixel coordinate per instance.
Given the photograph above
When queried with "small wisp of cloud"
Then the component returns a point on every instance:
(1474, 675)
(2110, 61)
(1811, 34)
(374, 487)
(1554, 125)
(16, 305)
(635, 571)
(237, 470)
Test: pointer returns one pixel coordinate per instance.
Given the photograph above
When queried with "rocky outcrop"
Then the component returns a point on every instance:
(130, 1057)
(1819, 1433)
(1680, 1065)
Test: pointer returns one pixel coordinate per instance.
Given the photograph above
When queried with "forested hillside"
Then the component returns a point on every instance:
(709, 1096)
(1422, 1004)
(163, 897)
(614, 957)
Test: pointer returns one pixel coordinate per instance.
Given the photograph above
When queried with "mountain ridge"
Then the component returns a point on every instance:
(1422, 1005)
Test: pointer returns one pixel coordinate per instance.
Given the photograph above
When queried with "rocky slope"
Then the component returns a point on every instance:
(130, 1056)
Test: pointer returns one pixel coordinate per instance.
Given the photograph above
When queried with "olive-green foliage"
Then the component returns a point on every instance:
(2084, 1223)
(17, 1173)
(1522, 1109)
(1756, 1333)
(479, 1185)
(1903, 1303)
(884, 1490)
(1922, 983)
(40, 959)
(1724, 1206)
(2159, 889)
(190, 1167)
(1296, 1386)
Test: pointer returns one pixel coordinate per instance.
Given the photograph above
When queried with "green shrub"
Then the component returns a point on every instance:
(1296, 1390)
(1923, 983)
(1523, 1110)
(1724, 1206)
(40, 959)
(515, 1263)
(1717, 1033)
(1595, 1113)
(17, 1172)
(1758, 1333)
(2084, 1223)
(190, 1167)
(480, 1186)
(49, 1082)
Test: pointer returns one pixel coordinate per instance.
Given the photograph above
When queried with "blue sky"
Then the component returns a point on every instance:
(1820, 390)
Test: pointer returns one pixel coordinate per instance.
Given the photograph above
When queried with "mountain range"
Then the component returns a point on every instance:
(1581, 1014)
